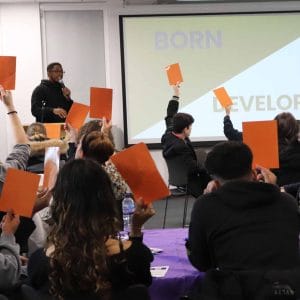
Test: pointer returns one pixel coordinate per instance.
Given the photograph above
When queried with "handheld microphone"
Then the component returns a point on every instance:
(62, 83)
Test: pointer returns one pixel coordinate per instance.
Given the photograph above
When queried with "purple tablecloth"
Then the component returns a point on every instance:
(181, 275)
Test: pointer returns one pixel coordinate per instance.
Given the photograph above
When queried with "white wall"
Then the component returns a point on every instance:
(20, 35)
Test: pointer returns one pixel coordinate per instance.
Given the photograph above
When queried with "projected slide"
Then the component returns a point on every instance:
(255, 57)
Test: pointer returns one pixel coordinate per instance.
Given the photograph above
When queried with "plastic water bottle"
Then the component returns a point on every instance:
(127, 210)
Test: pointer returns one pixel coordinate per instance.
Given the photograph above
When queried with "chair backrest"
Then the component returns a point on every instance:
(178, 171)
(136, 292)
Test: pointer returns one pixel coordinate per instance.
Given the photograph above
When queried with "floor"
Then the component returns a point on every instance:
(174, 213)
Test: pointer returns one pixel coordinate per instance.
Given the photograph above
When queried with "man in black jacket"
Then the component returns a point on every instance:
(50, 101)
(242, 224)
(176, 143)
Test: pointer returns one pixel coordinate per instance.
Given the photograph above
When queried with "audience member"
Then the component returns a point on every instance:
(50, 101)
(119, 185)
(288, 143)
(242, 225)
(19, 156)
(38, 142)
(176, 143)
(84, 256)
(289, 149)
(17, 159)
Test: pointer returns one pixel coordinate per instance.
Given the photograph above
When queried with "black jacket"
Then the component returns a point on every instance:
(289, 162)
(244, 226)
(174, 147)
(230, 132)
(45, 97)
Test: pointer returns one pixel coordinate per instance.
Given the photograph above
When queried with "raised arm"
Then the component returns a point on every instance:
(172, 108)
(231, 133)
(16, 125)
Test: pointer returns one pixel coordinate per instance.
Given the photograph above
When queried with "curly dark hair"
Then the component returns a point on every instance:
(84, 217)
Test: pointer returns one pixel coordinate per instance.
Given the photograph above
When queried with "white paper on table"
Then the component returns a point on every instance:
(159, 271)
(156, 250)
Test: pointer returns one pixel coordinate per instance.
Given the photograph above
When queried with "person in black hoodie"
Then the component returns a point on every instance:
(50, 101)
(176, 143)
(242, 224)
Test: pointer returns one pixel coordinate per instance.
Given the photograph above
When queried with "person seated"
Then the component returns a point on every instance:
(119, 185)
(288, 143)
(17, 159)
(84, 256)
(10, 264)
(241, 223)
(289, 149)
(176, 143)
(38, 142)
(19, 156)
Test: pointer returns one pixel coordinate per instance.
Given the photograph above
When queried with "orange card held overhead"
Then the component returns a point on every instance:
(100, 103)
(174, 74)
(77, 114)
(51, 167)
(53, 130)
(262, 138)
(19, 192)
(223, 97)
(138, 169)
(8, 72)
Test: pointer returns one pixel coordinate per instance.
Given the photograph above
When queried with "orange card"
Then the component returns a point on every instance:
(51, 167)
(19, 192)
(53, 130)
(137, 167)
(77, 114)
(8, 72)
(174, 74)
(100, 103)
(223, 97)
(262, 138)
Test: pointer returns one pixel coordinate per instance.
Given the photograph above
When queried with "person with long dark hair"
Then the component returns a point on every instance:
(84, 258)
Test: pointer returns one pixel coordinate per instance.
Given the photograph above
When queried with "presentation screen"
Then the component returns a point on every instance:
(255, 57)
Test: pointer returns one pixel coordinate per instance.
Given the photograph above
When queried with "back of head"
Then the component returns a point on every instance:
(229, 160)
(36, 132)
(97, 146)
(93, 125)
(288, 128)
(181, 121)
(83, 190)
(84, 217)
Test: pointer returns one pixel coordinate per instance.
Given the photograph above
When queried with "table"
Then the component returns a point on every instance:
(181, 276)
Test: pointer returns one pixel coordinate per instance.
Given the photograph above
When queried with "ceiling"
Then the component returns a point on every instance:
(146, 2)
(149, 2)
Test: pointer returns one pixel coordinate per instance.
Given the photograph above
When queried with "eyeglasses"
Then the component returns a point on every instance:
(58, 71)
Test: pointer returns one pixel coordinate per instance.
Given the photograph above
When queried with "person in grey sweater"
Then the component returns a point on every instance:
(17, 159)
(19, 156)
(10, 265)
